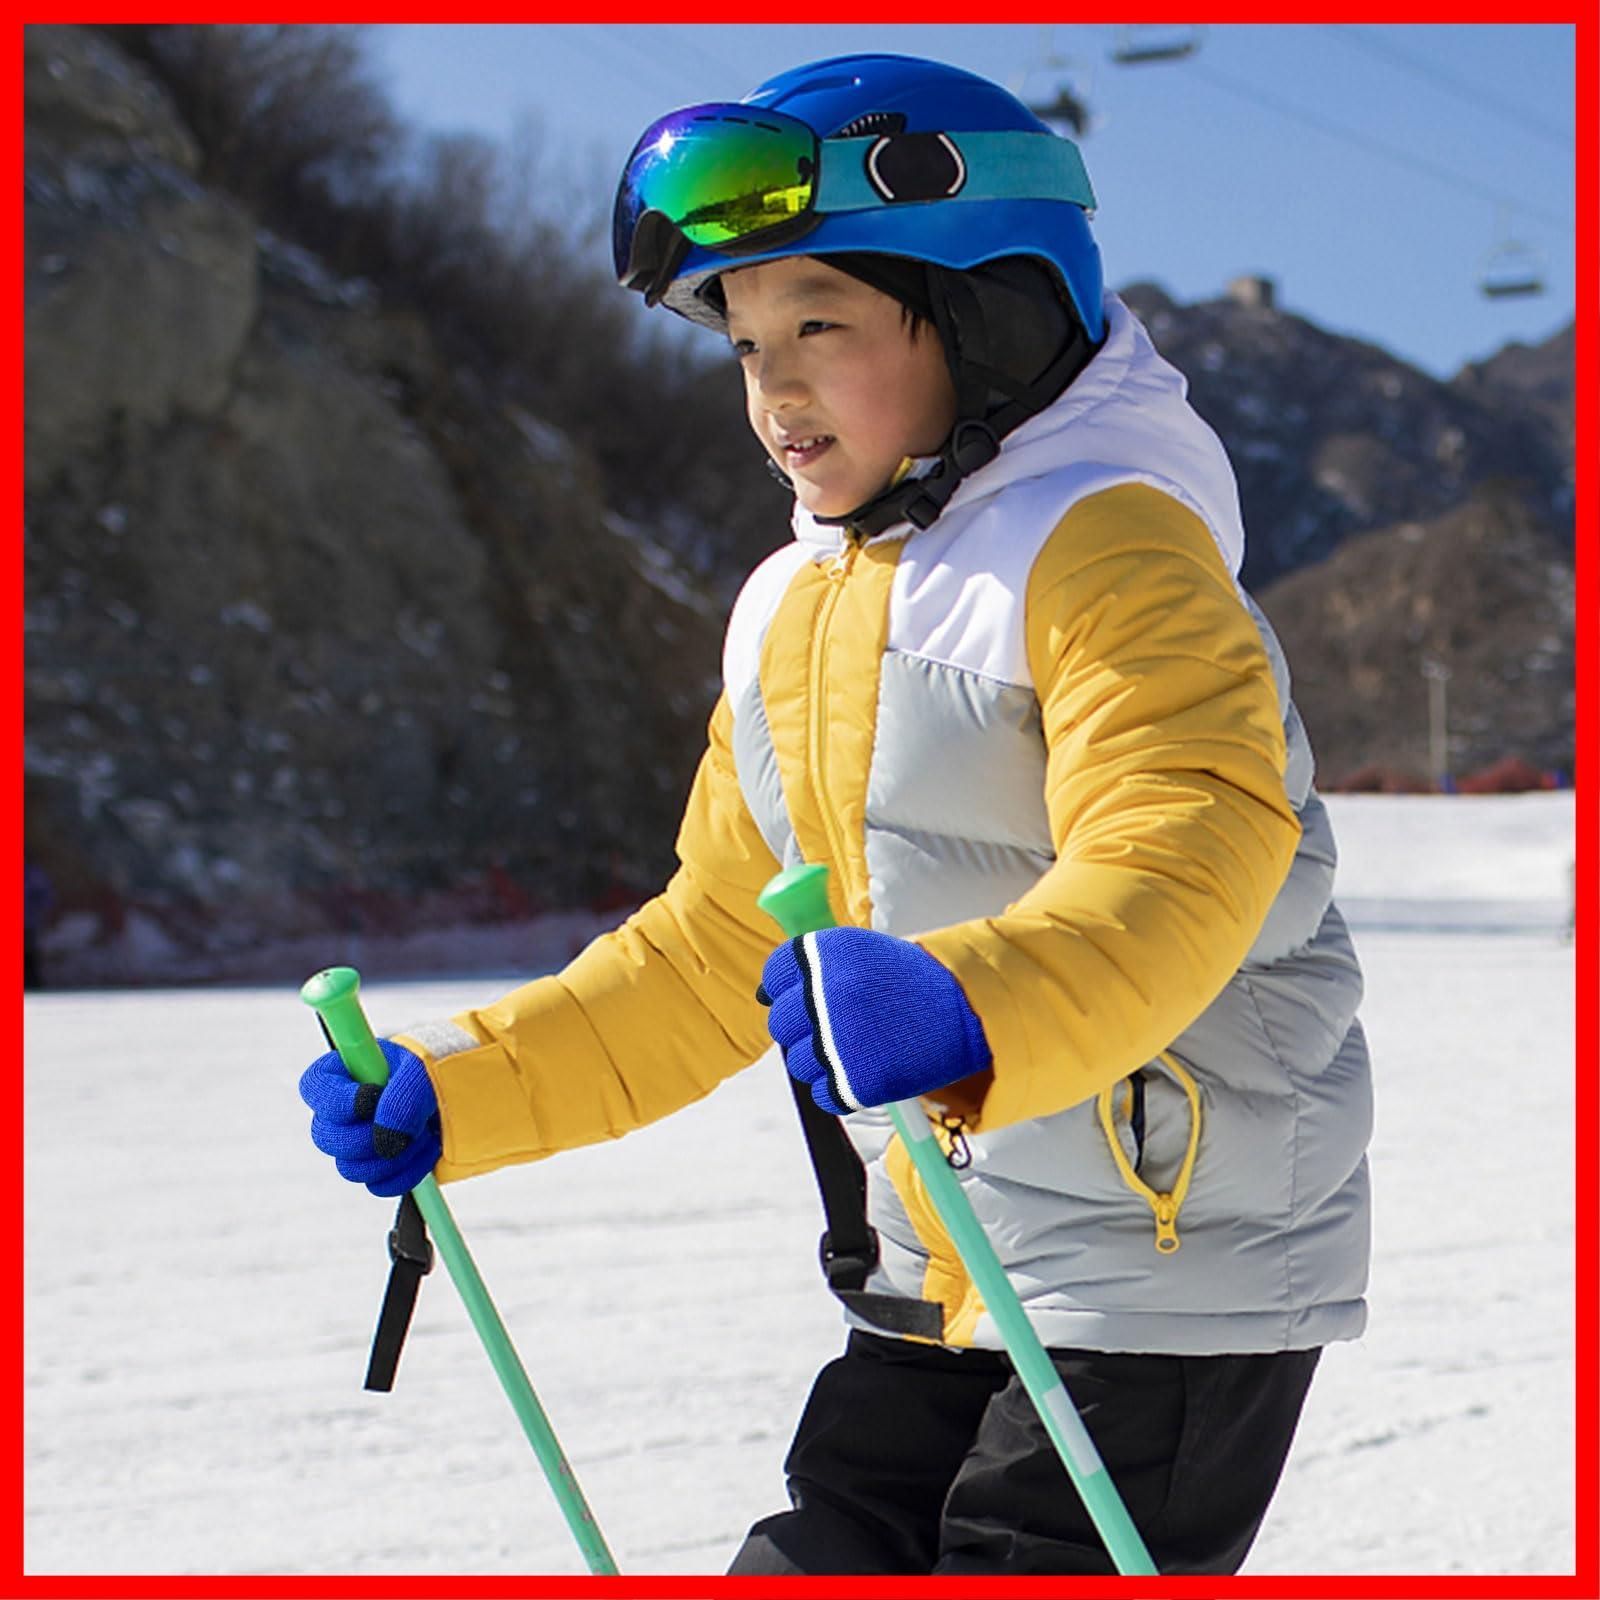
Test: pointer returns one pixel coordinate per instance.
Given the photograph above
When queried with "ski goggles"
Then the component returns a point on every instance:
(740, 179)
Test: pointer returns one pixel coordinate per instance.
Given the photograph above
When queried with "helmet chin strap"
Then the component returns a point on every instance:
(978, 324)
(974, 441)
(920, 501)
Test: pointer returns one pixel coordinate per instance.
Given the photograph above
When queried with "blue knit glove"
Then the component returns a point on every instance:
(866, 1018)
(386, 1138)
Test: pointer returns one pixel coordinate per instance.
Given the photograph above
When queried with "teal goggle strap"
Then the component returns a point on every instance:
(892, 169)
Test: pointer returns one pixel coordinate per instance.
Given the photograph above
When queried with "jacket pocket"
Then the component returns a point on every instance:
(1121, 1107)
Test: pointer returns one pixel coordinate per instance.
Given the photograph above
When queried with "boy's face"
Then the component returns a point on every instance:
(836, 387)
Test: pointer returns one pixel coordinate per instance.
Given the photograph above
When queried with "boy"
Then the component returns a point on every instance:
(1003, 683)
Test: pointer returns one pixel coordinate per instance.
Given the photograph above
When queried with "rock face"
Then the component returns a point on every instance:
(1331, 437)
(1484, 591)
(1393, 520)
(1534, 378)
(324, 633)
(314, 631)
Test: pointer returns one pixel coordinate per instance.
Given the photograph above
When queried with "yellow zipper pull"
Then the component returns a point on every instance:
(1166, 1214)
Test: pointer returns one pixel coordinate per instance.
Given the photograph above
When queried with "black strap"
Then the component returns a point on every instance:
(975, 439)
(411, 1251)
(849, 1246)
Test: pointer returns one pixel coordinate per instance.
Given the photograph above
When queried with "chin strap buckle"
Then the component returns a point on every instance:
(972, 445)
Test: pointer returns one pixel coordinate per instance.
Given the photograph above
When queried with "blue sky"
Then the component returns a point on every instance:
(1377, 173)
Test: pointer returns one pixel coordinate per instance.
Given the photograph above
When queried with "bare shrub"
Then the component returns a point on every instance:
(505, 257)
(273, 107)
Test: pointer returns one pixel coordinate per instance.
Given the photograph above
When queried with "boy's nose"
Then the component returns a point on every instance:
(779, 381)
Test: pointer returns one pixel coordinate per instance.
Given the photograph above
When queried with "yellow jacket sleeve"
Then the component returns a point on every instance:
(1167, 810)
(645, 1020)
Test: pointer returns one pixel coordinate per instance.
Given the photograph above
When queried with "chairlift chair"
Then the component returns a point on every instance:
(1064, 108)
(1052, 90)
(1512, 271)
(1140, 46)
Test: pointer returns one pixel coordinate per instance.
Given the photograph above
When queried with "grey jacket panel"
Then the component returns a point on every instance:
(923, 881)
(973, 757)
(1297, 913)
(956, 823)
(1300, 769)
(759, 780)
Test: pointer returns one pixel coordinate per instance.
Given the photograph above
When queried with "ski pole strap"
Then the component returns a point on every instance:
(849, 1246)
(411, 1251)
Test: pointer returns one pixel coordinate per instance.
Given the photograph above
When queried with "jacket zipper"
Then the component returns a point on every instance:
(838, 571)
(1164, 1207)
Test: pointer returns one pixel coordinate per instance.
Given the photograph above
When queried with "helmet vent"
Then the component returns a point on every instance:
(873, 122)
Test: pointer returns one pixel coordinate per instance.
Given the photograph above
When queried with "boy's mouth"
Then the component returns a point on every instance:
(802, 452)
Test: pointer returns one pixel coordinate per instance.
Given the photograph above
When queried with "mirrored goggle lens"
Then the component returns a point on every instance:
(722, 173)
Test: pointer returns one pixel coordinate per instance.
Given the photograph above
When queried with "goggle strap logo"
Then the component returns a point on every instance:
(915, 166)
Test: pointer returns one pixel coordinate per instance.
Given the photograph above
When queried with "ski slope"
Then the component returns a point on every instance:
(200, 1287)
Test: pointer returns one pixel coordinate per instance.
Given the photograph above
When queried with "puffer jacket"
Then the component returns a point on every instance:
(1051, 739)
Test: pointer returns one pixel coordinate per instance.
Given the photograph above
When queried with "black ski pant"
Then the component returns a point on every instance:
(910, 1458)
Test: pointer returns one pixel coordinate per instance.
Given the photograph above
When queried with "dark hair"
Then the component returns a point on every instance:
(899, 277)
(913, 319)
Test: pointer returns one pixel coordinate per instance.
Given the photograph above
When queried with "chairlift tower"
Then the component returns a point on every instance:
(1438, 676)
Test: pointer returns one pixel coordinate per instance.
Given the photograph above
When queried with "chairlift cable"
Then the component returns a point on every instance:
(629, 56)
(1478, 98)
(1376, 146)
(684, 41)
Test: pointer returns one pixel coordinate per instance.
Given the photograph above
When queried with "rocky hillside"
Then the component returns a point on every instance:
(315, 629)
(1485, 591)
(1392, 520)
(1331, 437)
(327, 628)
(1536, 378)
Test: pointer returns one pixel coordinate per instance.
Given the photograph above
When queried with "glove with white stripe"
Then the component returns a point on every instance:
(866, 1018)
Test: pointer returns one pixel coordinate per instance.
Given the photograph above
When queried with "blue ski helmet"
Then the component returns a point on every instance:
(881, 154)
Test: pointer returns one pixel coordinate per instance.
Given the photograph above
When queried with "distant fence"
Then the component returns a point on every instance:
(1508, 775)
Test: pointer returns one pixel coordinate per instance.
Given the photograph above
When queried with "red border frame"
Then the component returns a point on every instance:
(1584, 1583)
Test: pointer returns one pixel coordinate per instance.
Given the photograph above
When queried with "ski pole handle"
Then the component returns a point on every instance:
(333, 995)
(797, 899)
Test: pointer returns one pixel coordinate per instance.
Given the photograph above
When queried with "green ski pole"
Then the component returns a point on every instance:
(332, 995)
(797, 899)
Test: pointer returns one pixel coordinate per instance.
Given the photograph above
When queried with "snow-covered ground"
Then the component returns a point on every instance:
(201, 1288)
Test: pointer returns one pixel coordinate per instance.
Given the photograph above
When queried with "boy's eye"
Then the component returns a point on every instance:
(744, 347)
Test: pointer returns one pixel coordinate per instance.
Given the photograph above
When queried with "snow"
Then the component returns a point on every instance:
(201, 1288)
